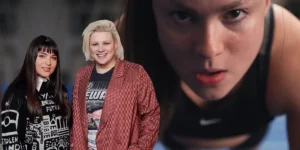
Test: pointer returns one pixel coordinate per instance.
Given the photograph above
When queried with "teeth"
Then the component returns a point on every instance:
(100, 55)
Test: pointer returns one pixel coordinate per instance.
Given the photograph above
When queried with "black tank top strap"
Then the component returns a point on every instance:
(265, 54)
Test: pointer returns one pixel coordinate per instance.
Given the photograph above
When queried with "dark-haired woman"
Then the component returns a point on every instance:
(35, 109)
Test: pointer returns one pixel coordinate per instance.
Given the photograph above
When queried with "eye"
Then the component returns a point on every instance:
(106, 43)
(95, 44)
(181, 16)
(54, 58)
(235, 15)
(41, 56)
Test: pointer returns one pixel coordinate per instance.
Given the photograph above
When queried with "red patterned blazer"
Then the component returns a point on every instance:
(130, 115)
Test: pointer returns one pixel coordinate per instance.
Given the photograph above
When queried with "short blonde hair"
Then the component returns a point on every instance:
(101, 26)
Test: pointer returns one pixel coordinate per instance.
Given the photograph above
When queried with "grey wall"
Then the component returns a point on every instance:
(63, 20)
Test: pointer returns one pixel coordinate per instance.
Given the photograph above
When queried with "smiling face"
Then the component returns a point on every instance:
(102, 48)
(210, 44)
(45, 64)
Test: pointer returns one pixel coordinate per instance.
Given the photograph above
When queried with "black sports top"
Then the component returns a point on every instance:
(245, 112)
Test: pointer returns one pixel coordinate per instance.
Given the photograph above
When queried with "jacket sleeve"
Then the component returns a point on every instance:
(149, 113)
(77, 140)
(13, 115)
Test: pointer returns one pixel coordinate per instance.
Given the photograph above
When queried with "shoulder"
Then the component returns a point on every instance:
(134, 68)
(134, 72)
(286, 30)
(130, 65)
(14, 95)
(284, 72)
(15, 90)
(83, 70)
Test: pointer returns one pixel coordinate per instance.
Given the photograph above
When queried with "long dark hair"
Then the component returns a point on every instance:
(141, 44)
(137, 28)
(28, 76)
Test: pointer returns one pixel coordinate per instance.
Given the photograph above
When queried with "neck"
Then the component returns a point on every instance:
(103, 68)
(39, 78)
(39, 82)
(201, 102)
(190, 94)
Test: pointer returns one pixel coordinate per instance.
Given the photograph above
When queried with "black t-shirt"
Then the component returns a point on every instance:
(95, 95)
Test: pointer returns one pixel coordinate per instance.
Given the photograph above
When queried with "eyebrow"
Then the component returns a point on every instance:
(179, 4)
(45, 53)
(232, 5)
(227, 7)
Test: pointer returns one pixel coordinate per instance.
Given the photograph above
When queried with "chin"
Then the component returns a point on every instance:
(214, 94)
(102, 62)
(45, 77)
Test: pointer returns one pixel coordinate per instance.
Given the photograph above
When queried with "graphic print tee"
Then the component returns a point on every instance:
(95, 96)
(49, 132)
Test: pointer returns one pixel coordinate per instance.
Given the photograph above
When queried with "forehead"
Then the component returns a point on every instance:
(99, 36)
(203, 6)
(49, 52)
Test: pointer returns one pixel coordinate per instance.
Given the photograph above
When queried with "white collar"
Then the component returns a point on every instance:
(39, 82)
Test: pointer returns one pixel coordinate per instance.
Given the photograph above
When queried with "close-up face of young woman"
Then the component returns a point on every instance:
(46, 62)
(210, 44)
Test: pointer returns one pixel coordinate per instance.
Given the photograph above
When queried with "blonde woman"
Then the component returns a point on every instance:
(114, 102)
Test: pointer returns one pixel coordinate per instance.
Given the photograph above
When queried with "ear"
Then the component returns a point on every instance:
(116, 44)
(267, 6)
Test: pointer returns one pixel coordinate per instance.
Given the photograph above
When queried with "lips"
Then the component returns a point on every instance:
(46, 69)
(101, 55)
(211, 77)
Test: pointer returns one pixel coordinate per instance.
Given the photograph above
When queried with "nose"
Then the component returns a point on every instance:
(209, 44)
(48, 61)
(100, 48)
